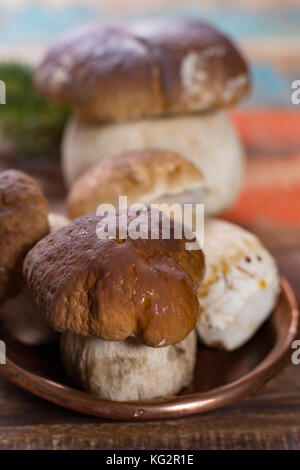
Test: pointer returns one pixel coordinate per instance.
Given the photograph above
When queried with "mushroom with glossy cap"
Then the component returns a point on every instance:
(139, 294)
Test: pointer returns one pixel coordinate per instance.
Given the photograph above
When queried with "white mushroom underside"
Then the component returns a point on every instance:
(126, 371)
(208, 140)
(24, 322)
(240, 288)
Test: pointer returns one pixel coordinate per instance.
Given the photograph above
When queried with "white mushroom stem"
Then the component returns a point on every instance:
(57, 221)
(208, 140)
(20, 315)
(240, 288)
(125, 371)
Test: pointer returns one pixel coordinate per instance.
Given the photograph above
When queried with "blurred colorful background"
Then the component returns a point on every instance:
(267, 31)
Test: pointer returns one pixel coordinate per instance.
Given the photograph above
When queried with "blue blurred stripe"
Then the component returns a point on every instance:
(44, 22)
(39, 22)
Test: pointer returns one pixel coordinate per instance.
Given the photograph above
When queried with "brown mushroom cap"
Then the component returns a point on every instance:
(143, 176)
(113, 288)
(23, 221)
(145, 68)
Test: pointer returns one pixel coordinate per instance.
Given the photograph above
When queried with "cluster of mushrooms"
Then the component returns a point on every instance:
(147, 124)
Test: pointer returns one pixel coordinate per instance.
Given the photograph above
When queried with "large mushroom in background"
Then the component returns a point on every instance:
(161, 83)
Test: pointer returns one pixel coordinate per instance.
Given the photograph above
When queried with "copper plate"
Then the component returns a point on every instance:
(220, 379)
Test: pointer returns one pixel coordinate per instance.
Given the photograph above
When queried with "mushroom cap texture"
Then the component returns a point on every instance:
(127, 370)
(117, 288)
(23, 221)
(143, 68)
(143, 176)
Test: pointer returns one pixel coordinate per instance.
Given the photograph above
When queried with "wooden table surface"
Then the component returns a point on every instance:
(270, 419)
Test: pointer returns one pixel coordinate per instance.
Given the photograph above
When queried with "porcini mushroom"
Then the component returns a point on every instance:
(119, 297)
(240, 287)
(23, 221)
(160, 83)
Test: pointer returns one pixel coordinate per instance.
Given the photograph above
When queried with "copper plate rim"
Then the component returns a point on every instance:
(169, 407)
